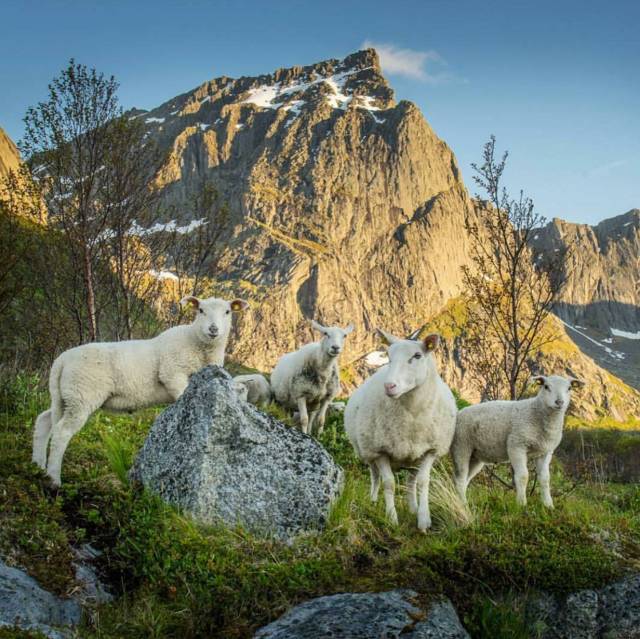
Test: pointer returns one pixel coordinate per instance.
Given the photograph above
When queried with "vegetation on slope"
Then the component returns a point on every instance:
(175, 578)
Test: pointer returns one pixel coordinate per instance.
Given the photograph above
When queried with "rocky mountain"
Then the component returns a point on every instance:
(345, 207)
(601, 301)
(9, 154)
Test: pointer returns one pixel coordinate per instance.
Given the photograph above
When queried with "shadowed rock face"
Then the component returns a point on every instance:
(602, 296)
(602, 291)
(346, 206)
(221, 460)
(392, 614)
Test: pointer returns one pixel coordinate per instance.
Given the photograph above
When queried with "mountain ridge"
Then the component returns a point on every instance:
(345, 205)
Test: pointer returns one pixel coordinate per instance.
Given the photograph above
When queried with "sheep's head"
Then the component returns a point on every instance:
(213, 315)
(555, 391)
(333, 338)
(240, 390)
(410, 362)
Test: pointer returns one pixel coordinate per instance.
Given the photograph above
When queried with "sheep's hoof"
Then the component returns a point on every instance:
(392, 516)
(424, 525)
(548, 504)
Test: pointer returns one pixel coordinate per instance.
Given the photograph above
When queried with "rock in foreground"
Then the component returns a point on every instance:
(23, 603)
(613, 612)
(220, 459)
(392, 615)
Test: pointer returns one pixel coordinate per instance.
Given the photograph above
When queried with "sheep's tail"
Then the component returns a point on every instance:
(57, 405)
(47, 420)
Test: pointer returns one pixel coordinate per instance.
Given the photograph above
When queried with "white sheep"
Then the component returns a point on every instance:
(500, 431)
(403, 416)
(258, 388)
(241, 391)
(128, 375)
(308, 379)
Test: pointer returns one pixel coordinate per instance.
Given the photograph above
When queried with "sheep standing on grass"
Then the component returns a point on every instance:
(128, 375)
(308, 379)
(513, 431)
(403, 416)
(258, 390)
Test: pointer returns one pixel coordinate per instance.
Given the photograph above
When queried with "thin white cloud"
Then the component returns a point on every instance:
(604, 169)
(426, 66)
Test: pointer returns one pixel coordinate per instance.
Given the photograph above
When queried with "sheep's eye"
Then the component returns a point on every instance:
(418, 355)
(546, 387)
(200, 310)
(228, 311)
(326, 334)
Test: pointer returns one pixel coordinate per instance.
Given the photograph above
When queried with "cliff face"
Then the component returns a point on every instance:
(601, 302)
(346, 206)
(9, 154)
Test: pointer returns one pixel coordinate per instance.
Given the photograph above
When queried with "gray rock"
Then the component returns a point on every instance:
(91, 591)
(391, 615)
(220, 459)
(23, 603)
(612, 612)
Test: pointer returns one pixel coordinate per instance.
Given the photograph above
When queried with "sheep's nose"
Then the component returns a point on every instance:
(335, 350)
(389, 388)
(559, 403)
(213, 331)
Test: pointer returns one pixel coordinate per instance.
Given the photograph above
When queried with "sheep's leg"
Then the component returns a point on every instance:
(389, 485)
(542, 466)
(62, 432)
(423, 477)
(474, 468)
(41, 434)
(312, 421)
(461, 473)
(176, 385)
(518, 459)
(412, 493)
(321, 416)
(375, 482)
(304, 416)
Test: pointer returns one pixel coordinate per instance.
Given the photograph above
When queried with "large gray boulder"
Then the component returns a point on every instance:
(218, 458)
(24, 604)
(392, 615)
(612, 612)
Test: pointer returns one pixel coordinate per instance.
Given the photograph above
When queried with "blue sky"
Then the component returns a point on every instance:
(558, 82)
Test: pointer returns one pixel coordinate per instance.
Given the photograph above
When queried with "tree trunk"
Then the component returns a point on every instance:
(90, 296)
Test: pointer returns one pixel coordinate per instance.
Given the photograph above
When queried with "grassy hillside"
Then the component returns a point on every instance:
(174, 578)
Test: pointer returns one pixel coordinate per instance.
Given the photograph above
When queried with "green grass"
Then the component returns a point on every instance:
(175, 578)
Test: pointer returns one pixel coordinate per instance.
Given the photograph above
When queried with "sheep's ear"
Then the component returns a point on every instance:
(431, 342)
(419, 333)
(317, 327)
(190, 300)
(387, 338)
(237, 306)
(576, 383)
(348, 329)
(537, 379)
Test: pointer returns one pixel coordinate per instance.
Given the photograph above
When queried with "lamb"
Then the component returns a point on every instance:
(128, 375)
(308, 379)
(258, 390)
(500, 431)
(403, 416)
